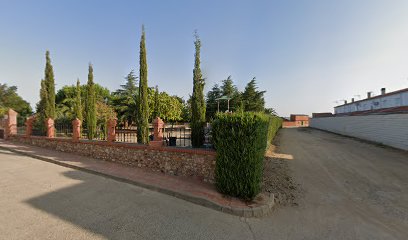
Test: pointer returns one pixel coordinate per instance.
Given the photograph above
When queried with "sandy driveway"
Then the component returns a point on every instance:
(350, 189)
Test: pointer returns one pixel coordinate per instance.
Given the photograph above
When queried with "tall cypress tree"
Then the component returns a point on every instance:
(198, 102)
(90, 105)
(50, 87)
(143, 110)
(78, 103)
(41, 108)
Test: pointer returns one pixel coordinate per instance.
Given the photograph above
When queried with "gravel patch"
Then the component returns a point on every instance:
(277, 178)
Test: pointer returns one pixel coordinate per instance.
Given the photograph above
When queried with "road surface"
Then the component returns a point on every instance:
(349, 190)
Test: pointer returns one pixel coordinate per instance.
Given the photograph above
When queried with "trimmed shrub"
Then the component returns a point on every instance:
(240, 140)
(275, 123)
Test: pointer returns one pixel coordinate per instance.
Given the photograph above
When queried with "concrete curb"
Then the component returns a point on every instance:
(248, 212)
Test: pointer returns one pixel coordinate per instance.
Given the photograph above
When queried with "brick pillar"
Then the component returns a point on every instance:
(76, 130)
(11, 123)
(158, 125)
(29, 126)
(49, 124)
(111, 130)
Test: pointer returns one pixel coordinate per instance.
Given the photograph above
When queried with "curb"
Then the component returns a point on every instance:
(248, 212)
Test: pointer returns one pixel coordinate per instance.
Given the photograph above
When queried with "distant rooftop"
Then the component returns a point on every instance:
(374, 97)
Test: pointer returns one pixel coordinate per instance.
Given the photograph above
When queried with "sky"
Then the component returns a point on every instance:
(308, 55)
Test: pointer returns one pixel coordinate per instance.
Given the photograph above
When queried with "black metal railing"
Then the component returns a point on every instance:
(21, 130)
(177, 136)
(126, 134)
(63, 130)
(173, 136)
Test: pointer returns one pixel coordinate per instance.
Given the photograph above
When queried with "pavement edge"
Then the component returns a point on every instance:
(248, 212)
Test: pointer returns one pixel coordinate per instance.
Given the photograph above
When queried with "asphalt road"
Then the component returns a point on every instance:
(349, 190)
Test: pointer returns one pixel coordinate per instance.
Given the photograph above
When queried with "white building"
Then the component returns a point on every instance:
(385, 100)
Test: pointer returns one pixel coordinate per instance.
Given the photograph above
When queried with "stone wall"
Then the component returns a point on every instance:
(387, 129)
(176, 161)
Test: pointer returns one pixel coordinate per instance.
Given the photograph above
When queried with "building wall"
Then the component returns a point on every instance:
(387, 101)
(389, 129)
(291, 124)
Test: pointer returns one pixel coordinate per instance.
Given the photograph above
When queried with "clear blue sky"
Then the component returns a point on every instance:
(305, 54)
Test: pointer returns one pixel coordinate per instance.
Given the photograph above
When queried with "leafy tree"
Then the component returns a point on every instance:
(10, 99)
(124, 100)
(66, 99)
(185, 108)
(156, 103)
(143, 110)
(169, 107)
(198, 102)
(90, 105)
(252, 98)
(104, 113)
(211, 101)
(78, 101)
(50, 87)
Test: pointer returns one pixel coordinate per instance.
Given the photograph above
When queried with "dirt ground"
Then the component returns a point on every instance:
(342, 188)
(277, 177)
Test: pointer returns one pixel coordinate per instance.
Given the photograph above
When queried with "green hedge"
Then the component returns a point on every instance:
(275, 123)
(240, 141)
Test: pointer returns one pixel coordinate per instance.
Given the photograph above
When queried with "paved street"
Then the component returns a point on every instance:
(349, 190)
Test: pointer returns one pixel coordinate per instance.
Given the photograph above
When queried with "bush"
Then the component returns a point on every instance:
(240, 140)
(275, 123)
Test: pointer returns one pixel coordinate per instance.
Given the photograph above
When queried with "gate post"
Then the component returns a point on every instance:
(11, 123)
(76, 130)
(29, 126)
(49, 124)
(112, 130)
(158, 125)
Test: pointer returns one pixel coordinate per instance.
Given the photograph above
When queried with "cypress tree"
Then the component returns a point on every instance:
(90, 105)
(198, 102)
(78, 103)
(42, 108)
(143, 110)
(50, 87)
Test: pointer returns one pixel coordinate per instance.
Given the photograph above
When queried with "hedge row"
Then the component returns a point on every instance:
(241, 140)
(275, 123)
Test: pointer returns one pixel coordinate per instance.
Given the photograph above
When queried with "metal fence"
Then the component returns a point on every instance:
(126, 134)
(177, 136)
(63, 130)
(100, 134)
(172, 136)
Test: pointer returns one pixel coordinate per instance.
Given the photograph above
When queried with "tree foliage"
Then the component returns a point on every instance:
(167, 107)
(228, 90)
(143, 109)
(90, 105)
(10, 99)
(198, 102)
(50, 87)
(253, 99)
(156, 103)
(124, 100)
(78, 101)
(212, 102)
